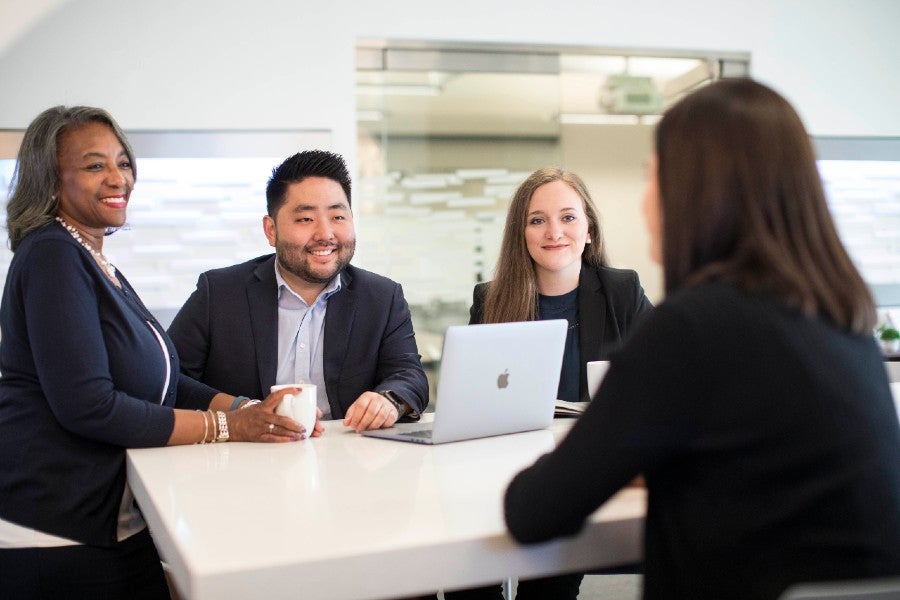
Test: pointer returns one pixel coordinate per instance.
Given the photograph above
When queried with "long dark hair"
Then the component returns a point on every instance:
(742, 200)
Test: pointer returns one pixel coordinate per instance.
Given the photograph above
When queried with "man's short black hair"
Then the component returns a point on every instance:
(296, 168)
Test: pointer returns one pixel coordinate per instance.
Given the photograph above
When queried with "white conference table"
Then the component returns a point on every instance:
(348, 517)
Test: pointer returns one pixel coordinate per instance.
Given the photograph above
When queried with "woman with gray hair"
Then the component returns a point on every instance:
(87, 372)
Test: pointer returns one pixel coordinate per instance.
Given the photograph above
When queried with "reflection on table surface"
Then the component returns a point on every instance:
(309, 512)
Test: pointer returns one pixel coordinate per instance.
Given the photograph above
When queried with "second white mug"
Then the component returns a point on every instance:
(300, 406)
(596, 371)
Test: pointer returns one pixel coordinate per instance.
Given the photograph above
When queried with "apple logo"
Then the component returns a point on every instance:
(503, 379)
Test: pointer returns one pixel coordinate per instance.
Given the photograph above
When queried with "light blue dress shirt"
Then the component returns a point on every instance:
(301, 335)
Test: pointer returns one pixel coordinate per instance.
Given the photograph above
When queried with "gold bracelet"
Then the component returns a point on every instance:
(215, 427)
(205, 427)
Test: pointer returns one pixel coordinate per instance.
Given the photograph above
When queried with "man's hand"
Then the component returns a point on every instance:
(319, 428)
(371, 411)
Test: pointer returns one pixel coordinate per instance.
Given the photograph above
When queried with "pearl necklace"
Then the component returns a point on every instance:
(107, 266)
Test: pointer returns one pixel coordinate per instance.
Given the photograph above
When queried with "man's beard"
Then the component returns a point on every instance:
(295, 259)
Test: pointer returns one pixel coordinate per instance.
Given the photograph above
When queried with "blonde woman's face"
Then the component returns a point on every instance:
(556, 229)
(652, 214)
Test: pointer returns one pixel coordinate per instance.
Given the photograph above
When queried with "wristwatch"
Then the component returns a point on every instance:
(401, 406)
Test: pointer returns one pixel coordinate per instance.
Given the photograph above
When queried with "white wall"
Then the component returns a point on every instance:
(170, 64)
(611, 160)
(289, 64)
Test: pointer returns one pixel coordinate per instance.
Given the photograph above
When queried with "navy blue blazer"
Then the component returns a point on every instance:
(227, 335)
(609, 303)
(84, 377)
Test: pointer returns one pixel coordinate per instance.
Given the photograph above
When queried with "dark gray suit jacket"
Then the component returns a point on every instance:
(227, 335)
(609, 304)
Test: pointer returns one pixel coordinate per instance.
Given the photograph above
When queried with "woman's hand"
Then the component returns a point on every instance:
(259, 423)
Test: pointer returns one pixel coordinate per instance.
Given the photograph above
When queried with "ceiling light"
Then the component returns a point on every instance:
(369, 116)
(396, 89)
(597, 119)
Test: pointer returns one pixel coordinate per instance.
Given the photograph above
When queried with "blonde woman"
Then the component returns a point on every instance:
(553, 265)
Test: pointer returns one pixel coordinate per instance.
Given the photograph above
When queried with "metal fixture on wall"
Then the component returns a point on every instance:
(524, 91)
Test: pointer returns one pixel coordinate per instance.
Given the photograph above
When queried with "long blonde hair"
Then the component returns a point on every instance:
(513, 293)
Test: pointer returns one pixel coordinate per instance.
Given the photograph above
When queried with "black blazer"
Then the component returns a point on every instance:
(609, 304)
(227, 335)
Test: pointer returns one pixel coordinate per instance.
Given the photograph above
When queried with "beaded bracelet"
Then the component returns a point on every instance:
(222, 434)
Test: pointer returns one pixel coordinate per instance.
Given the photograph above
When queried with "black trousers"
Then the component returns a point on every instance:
(129, 570)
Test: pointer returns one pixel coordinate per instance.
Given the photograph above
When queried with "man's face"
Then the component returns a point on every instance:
(312, 232)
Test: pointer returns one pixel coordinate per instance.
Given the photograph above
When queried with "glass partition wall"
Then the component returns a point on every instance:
(447, 132)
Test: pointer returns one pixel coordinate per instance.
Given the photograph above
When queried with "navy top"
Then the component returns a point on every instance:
(83, 376)
(565, 307)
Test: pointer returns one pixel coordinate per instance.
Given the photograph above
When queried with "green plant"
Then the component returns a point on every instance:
(887, 333)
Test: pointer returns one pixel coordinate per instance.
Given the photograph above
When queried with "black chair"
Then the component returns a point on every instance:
(870, 589)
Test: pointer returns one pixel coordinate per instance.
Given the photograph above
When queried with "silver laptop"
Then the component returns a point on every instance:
(495, 379)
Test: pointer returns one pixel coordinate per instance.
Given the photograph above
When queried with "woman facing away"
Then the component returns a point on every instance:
(87, 372)
(553, 265)
(754, 398)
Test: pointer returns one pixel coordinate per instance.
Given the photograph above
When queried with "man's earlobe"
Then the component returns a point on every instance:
(269, 229)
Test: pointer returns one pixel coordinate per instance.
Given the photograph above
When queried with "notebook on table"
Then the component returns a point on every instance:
(494, 379)
(596, 371)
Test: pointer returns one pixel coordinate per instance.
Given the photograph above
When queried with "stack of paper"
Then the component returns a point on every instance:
(569, 409)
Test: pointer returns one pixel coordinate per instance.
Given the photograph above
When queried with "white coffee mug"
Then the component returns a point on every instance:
(596, 371)
(300, 406)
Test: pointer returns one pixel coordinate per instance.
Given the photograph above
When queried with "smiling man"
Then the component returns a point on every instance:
(305, 313)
